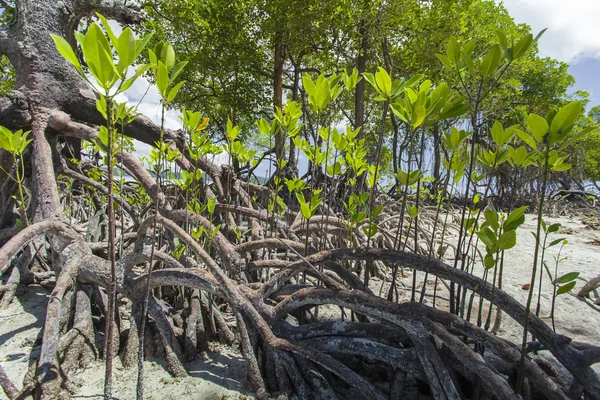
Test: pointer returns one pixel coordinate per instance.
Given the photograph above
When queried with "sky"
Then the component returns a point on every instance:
(573, 36)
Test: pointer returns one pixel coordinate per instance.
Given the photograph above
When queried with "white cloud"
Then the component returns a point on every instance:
(573, 29)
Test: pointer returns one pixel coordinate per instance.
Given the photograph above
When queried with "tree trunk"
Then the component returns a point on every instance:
(361, 66)
(279, 60)
(437, 158)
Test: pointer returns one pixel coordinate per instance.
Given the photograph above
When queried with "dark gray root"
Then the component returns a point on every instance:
(9, 388)
(195, 338)
(129, 356)
(254, 376)
(82, 349)
(218, 324)
(9, 289)
(171, 346)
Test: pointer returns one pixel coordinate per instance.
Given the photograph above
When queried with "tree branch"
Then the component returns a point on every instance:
(111, 9)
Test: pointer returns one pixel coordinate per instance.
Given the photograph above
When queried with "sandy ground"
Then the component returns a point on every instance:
(222, 374)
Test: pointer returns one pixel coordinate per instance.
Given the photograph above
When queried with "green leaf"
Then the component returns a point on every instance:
(173, 91)
(453, 50)
(98, 55)
(210, 205)
(140, 44)
(414, 176)
(305, 210)
(418, 116)
(5, 136)
(566, 288)
(540, 34)
(65, 50)
(561, 167)
(565, 117)
(91, 51)
(538, 126)
(384, 82)
(101, 106)
(489, 261)
(108, 29)
(502, 39)
(371, 79)
(445, 60)
(323, 96)
(402, 177)
(309, 85)
(370, 230)
(574, 137)
(376, 211)
(514, 219)
(523, 45)
(413, 211)
(469, 47)
(469, 63)
(109, 69)
(555, 242)
(165, 53)
(456, 110)
(507, 240)
(334, 169)
(518, 156)
(103, 135)
(126, 48)
(492, 218)
(177, 70)
(162, 79)
(526, 138)
(488, 237)
(554, 228)
(490, 61)
(571, 276)
(399, 111)
(498, 133)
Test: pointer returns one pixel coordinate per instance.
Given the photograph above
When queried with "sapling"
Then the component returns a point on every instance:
(549, 137)
(455, 166)
(388, 91)
(562, 284)
(15, 143)
(498, 235)
(320, 94)
(417, 109)
(109, 74)
(491, 159)
(478, 76)
(165, 71)
(286, 122)
(547, 231)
